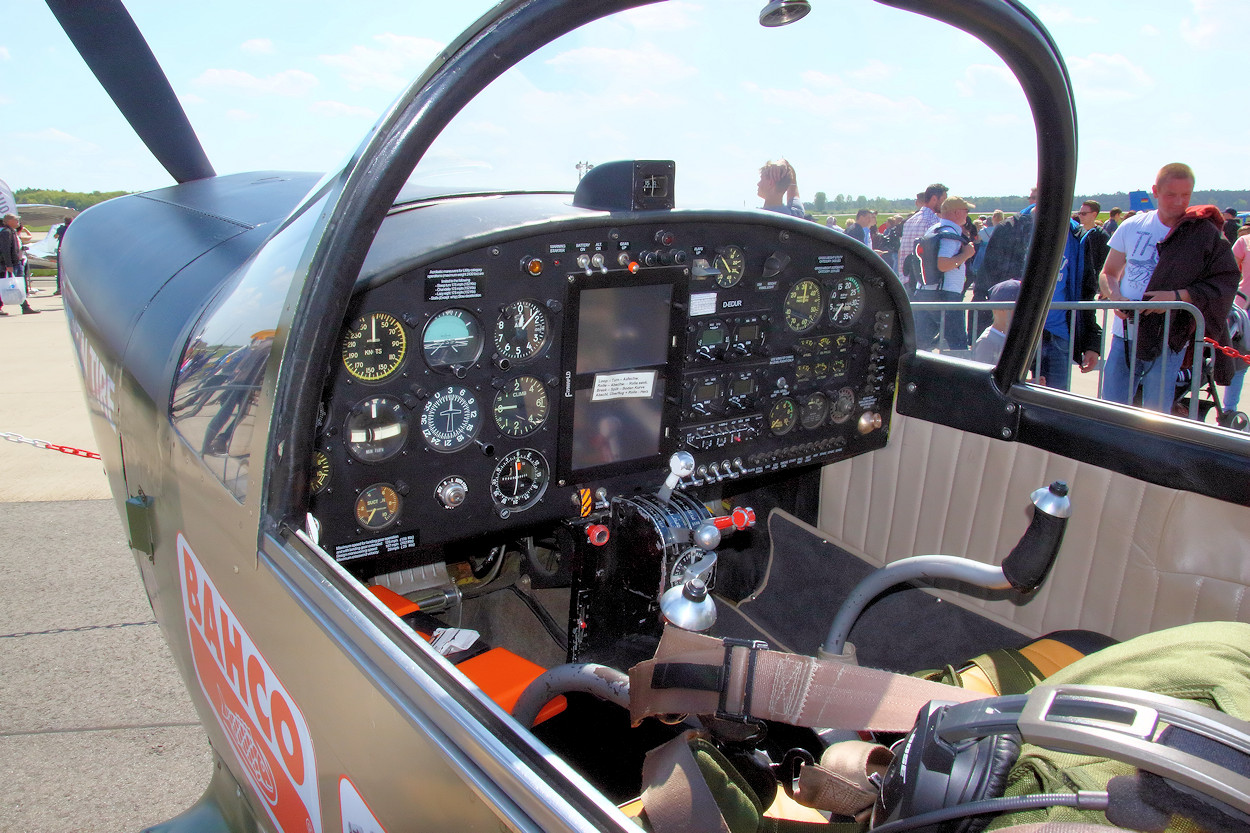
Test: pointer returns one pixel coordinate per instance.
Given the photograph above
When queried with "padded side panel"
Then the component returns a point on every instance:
(1136, 557)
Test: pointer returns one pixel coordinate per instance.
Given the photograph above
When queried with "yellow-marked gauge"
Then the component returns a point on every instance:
(814, 411)
(732, 265)
(803, 306)
(321, 473)
(377, 507)
(374, 346)
(521, 406)
(783, 416)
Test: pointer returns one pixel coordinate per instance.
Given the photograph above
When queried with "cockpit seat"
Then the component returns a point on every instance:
(1016, 670)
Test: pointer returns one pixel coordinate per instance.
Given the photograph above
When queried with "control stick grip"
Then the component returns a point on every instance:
(1029, 562)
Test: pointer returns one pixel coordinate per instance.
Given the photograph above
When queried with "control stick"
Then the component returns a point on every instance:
(1024, 569)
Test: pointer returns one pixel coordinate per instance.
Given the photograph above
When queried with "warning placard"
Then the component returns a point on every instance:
(635, 384)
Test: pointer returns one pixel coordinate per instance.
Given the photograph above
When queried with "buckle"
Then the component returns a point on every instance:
(753, 646)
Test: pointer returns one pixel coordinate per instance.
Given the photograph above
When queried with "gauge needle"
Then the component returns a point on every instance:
(373, 330)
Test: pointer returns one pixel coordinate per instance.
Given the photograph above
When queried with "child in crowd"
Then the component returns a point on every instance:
(989, 344)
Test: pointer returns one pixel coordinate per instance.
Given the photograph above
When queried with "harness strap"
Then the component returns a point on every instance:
(743, 680)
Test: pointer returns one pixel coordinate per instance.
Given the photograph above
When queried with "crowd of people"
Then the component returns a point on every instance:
(1174, 253)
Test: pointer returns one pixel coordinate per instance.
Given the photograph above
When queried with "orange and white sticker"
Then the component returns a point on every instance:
(261, 721)
(357, 817)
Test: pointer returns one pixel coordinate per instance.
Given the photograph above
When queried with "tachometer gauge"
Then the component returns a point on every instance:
(521, 331)
(450, 419)
(783, 416)
(815, 409)
(731, 263)
(452, 338)
(377, 429)
(519, 480)
(377, 507)
(843, 405)
(320, 474)
(521, 406)
(846, 301)
(374, 347)
(803, 306)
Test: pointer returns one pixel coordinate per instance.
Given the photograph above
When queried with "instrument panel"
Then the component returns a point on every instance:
(521, 382)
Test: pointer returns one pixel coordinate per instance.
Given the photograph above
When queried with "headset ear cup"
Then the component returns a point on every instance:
(996, 756)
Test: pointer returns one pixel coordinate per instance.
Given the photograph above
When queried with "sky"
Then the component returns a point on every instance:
(862, 99)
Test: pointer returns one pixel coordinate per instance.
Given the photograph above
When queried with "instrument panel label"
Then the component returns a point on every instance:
(263, 725)
(702, 303)
(454, 284)
(638, 384)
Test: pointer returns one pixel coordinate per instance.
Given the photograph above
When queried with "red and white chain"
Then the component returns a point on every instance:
(64, 449)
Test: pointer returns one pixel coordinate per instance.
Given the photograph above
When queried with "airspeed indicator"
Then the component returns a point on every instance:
(374, 346)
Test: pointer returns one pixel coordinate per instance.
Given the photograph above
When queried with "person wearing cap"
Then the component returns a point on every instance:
(990, 343)
(954, 250)
(11, 258)
(1231, 226)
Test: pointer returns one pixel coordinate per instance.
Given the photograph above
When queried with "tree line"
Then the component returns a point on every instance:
(846, 204)
(76, 200)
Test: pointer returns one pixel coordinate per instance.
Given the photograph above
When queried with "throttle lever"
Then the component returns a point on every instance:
(1029, 561)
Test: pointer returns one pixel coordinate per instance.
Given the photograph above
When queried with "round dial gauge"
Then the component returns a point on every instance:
(521, 406)
(451, 339)
(843, 405)
(521, 331)
(846, 301)
(377, 429)
(783, 416)
(450, 419)
(815, 409)
(374, 347)
(377, 507)
(320, 474)
(803, 306)
(731, 263)
(519, 479)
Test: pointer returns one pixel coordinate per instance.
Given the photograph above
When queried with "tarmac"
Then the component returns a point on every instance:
(97, 732)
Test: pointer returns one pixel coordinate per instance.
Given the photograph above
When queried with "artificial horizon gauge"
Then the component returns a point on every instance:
(846, 301)
(519, 479)
(731, 263)
(521, 331)
(843, 405)
(450, 419)
(452, 339)
(377, 507)
(376, 428)
(320, 474)
(803, 306)
(374, 347)
(521, 406)
(783, 416)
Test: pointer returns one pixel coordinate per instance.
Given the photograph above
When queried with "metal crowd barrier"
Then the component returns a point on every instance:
(1107, 309)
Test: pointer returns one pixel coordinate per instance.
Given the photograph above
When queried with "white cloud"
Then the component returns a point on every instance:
(290, 82)
(981, 80)
(257, 46)
(645, 65)
(1104, 78)
(389, 65)
(1149, 31)
(58, 138)
(1216, 23)
(337, 109)
(235, 114)
(4, 53)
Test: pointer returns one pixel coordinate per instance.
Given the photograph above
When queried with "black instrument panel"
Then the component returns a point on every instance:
(502, 387)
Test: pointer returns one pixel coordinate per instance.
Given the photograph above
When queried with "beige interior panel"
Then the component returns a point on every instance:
(1136, 557)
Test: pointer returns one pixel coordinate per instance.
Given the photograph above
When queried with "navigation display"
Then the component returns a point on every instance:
(623, 327)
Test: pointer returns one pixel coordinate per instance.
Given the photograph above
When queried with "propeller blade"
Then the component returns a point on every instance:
(118, 55)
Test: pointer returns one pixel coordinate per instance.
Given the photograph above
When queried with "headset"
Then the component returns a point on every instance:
(949, 773)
